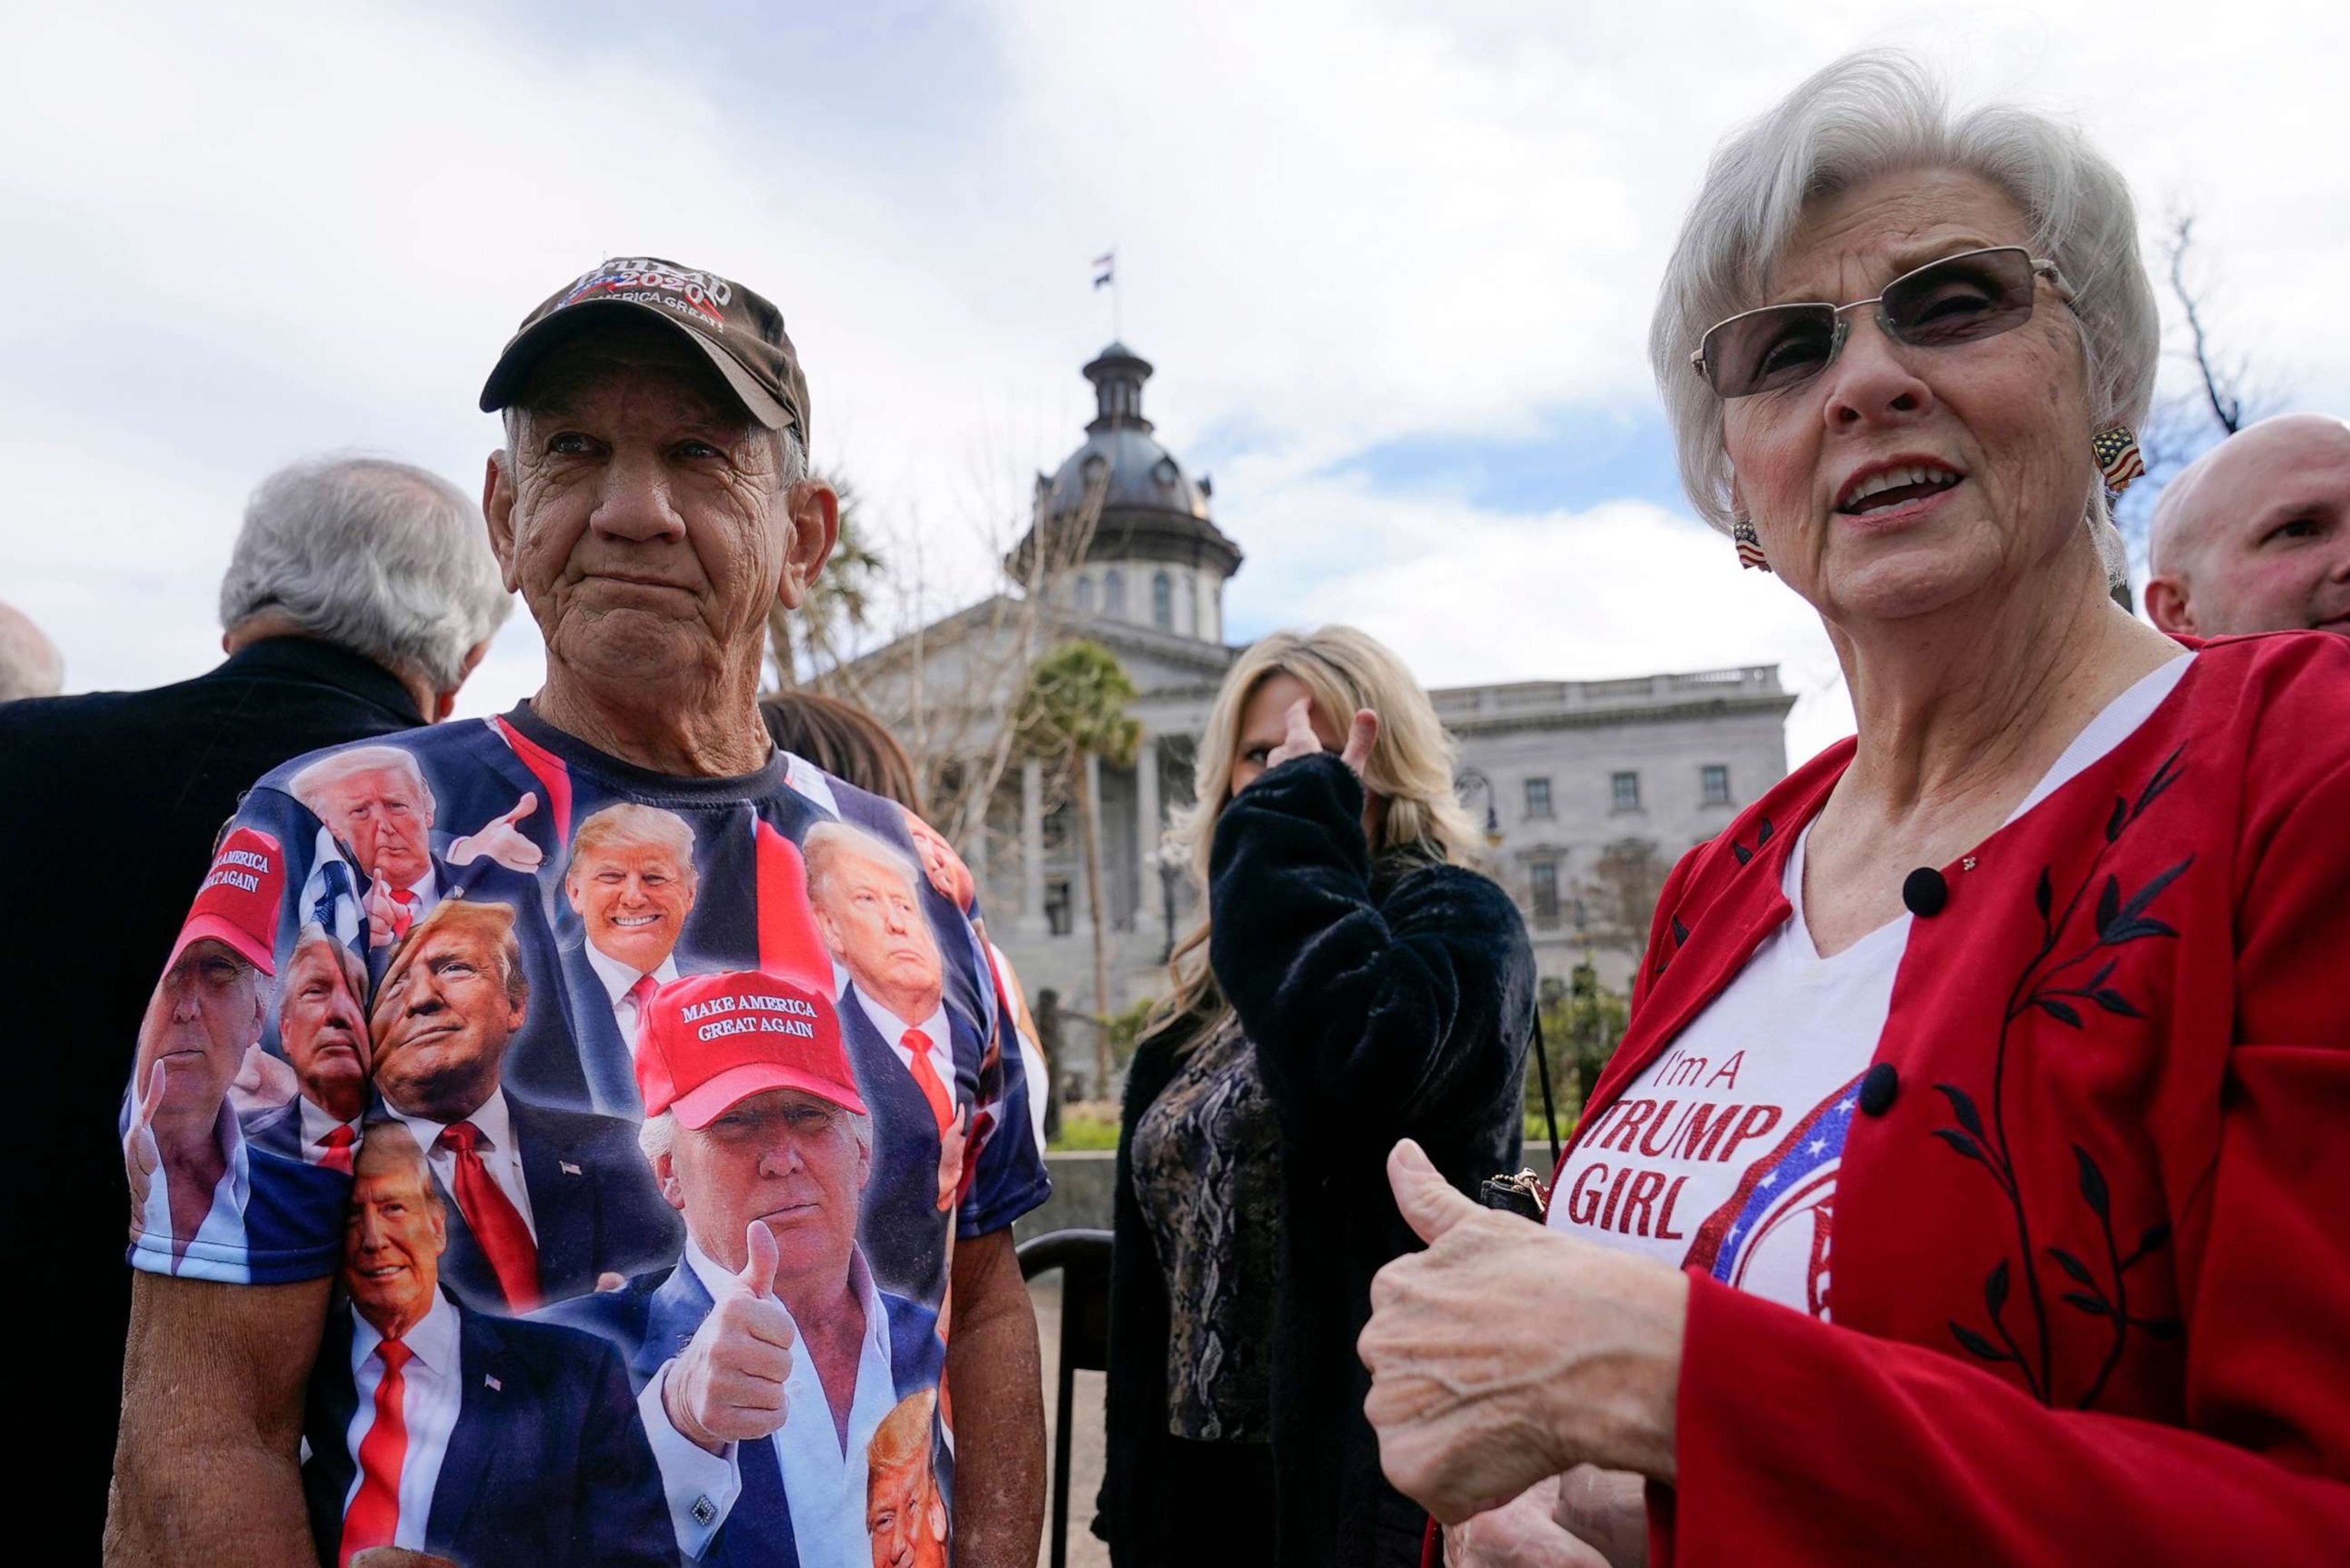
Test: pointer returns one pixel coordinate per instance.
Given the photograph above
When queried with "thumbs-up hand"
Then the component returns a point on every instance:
(142, 1157)
(727, 1384)
(1506, 1353)
(382, 912)
(501, 841)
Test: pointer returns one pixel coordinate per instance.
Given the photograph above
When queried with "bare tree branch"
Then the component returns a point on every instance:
(2220, 384)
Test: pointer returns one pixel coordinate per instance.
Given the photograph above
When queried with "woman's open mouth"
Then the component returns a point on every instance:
(1886, 488)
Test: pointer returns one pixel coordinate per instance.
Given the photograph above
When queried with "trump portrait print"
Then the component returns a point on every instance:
(636, 1117)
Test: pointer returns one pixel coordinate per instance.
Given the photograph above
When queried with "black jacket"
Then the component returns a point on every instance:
(1384, 1000)
(111, 803)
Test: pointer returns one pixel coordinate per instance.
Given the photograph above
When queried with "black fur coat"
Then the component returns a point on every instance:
(1385, 999)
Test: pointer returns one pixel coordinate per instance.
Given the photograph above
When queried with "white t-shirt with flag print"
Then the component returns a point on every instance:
(1724, 1153)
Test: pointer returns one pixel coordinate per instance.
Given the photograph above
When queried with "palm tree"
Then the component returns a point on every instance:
(1074, 709)
(839, 601)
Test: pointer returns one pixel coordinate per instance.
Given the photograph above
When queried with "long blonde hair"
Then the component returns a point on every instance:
(1410, 767)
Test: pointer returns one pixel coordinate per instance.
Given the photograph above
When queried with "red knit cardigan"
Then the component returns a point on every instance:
(2091, 1288)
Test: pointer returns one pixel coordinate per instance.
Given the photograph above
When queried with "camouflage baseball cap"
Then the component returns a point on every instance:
(739, 331)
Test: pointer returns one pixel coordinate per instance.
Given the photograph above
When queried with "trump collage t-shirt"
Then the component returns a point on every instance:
(636, 1117)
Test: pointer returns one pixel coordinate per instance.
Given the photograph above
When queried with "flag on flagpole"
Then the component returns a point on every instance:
(1105, 269)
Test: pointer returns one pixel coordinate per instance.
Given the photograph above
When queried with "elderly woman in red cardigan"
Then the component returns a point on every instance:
(1973, 1184)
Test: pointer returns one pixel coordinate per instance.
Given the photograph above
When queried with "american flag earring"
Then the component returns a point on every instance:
(2118, 458)
(1750, 544)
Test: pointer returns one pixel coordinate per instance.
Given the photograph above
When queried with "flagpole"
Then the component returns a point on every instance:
(1106, 274)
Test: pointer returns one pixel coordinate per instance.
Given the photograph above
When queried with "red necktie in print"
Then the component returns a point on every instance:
(373, 1517)
(641, 993)
(497, 1225)
(926, 1078)
(338, 1145)
(403, 914)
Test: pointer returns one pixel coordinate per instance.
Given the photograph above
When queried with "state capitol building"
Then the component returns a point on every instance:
(1588, 790)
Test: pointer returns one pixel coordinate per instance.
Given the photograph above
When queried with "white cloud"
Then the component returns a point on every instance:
(1626, 588)
(249, 234)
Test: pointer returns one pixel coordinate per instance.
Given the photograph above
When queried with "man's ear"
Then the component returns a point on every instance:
(673, 1191)
(814, 511)
(497, 510)
(829, 933)
(2167, 606)
(445, 702)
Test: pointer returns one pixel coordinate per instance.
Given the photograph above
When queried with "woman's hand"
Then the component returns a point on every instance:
(1523, 1532)
(1506, 1354)
(1300, 740)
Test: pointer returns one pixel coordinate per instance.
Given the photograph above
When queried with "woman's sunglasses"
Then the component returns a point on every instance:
(1959, 299)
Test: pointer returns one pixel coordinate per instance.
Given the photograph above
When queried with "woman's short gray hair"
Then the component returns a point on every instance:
(376, 556)
(1865, 115)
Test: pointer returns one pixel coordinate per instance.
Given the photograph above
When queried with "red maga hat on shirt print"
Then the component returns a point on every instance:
(712, 1041)
(238, 901)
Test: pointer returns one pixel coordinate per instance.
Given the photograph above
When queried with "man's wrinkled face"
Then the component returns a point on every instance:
(441, 1025)
(324, 1031)
(633, 898)
(904, 1517)
(783, 1158)
(392, 1242)
(204, 1013)
(871, 919)
(386, 819)
(642, 515)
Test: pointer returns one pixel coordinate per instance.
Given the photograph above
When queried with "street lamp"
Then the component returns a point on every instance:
(1172, 862)
(1476, 777)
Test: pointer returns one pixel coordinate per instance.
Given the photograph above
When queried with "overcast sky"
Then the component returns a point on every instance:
(1393, 265)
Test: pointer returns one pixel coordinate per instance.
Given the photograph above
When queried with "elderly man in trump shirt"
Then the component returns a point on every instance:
(322, 1027)
(769, 1356)
(631, 881)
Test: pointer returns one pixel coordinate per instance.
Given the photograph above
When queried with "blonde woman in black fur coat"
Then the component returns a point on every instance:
(1354, 982)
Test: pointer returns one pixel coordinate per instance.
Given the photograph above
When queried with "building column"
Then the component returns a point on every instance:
(1079, 903)
(1032, 848)
(1147, 896)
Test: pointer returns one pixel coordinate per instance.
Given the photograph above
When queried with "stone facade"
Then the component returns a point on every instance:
(1590, 790)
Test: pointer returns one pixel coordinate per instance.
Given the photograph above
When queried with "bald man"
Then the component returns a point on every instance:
(2254, 535)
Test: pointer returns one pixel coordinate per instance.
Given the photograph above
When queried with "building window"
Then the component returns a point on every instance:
(1162, 601)
(1538, 797)
(1627, 790)
(1187, 606)
(1545, 875)
(1714, 779)
(1084, 596)
(1060, 914)
(1114, 593)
